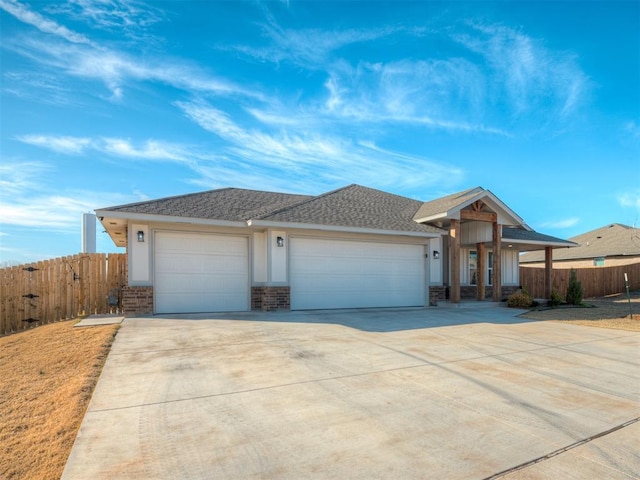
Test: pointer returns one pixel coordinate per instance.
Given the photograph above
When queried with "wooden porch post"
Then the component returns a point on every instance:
(548, 271)
(454, 256)
(480, 248)
(497, 262)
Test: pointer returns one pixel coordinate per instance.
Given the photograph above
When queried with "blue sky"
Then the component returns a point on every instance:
(105, 102)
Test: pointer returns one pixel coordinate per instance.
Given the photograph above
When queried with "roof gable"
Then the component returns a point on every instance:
(444, 209)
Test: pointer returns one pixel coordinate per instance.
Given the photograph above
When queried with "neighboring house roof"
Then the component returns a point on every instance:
(442, 210)
(611, 240)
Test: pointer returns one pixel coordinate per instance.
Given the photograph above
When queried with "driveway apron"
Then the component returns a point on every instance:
(456, 392)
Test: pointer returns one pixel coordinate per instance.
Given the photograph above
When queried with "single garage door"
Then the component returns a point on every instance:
(201, 273)
(345, 274)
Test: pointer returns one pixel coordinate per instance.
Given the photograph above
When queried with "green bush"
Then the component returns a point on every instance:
(519, 299)
(555, 300)
(574, 289)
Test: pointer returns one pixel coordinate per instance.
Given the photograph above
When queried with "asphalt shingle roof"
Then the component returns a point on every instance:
(444, 204)
(530, 236)
(351, 206)
(611, 240)
(233, 204)
(355, 206)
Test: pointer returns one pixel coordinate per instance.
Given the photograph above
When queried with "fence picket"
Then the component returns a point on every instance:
(60, 296)
(596, 281)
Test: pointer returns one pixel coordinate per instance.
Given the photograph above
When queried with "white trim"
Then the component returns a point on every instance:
(534, 242)
(147, 217)
(336, 228)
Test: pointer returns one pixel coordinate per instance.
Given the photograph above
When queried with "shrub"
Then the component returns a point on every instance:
(555, 300)
(574, 289)
(519, 299)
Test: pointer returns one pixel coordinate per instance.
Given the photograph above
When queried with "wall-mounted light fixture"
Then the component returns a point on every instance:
(280, 241)
(140, 236)
(436, 254)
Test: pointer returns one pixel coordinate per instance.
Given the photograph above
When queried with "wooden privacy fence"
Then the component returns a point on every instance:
(59, 289)
(596, 282)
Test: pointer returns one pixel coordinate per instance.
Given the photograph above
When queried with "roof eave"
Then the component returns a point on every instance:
(339, 228)
(539, 243)
(148, 217)
(432, 218)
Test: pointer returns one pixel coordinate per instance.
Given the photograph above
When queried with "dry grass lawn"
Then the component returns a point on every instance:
(607, 312)
(47, 376)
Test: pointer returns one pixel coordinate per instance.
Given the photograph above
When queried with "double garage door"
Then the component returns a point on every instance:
(344, 274)
(210, 273)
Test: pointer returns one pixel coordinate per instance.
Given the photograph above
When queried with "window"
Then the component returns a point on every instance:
(598, 262)
(473, 267)
(490, 268)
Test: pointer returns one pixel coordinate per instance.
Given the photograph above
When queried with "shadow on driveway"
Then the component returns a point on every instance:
(379, 319)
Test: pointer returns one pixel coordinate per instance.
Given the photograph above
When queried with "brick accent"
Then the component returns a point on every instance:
(437, 294)
(269, 299)
(469, 292)
(509, 290)
(137, 301)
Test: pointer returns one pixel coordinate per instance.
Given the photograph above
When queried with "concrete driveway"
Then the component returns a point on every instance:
(443, 392)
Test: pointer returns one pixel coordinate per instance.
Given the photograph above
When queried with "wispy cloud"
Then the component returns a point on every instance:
(62, 144)
(310, 48)
(560, 224)
(27, 200)
(632, 129)
(117, 147)
(317, 158)
(26, 15)
(630, 199)
(439, 94)
(123, 15)
(531, 75)
(115, 69)
(18, 177)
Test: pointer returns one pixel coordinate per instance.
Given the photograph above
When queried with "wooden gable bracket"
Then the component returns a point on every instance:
(478, 216)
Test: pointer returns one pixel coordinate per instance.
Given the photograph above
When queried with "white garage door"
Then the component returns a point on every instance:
(345, 274)
(201, 273)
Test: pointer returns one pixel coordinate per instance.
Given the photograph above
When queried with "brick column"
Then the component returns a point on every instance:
(137, 301)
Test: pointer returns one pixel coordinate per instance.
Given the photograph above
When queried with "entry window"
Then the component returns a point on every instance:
(473, 267)
(490, 268)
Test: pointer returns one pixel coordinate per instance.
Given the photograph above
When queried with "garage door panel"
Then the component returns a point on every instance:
(346, 274)
(200, 273)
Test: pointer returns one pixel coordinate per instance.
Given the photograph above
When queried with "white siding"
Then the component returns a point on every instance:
(278, 267)
(476, 232)
(139, 255)
(510, 267)
(259, 257)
